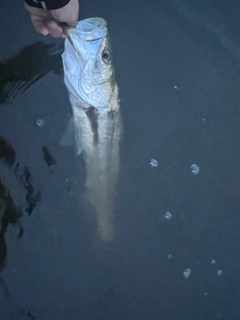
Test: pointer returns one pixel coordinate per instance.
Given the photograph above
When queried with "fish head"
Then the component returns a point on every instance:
(87, 62)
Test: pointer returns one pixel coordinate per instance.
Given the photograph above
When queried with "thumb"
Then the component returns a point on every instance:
(67, 14)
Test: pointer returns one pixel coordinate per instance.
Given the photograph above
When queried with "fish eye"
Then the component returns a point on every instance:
(106, 56)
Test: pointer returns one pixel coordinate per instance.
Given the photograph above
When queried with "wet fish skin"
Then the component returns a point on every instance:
(95, 128)
(102, 161)
(101, 157)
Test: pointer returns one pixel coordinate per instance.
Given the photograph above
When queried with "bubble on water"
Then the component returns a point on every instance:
(168, 215)
(187, 273)
(219, 272)
(213, 261)
(195, 168)
(39, 123)
(169, 256)
(154, 163)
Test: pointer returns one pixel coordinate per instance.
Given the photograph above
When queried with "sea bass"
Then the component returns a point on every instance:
(95, 127)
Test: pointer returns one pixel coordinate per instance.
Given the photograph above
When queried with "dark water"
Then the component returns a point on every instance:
(52, 264)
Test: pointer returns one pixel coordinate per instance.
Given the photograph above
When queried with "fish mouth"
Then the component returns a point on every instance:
(90, 29)
(93, 28)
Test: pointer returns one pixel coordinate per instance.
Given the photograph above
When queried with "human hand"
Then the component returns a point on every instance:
(49, 21)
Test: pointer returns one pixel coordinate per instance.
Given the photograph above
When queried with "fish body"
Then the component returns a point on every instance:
(95, 128)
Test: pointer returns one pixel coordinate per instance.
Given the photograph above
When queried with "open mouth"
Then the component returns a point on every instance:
(92, 25)
(91, 29)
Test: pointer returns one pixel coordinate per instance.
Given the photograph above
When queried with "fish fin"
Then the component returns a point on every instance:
(78, 141)
(68, 137)
(72, 137)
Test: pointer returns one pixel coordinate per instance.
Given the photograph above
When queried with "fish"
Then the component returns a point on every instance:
(95, 128)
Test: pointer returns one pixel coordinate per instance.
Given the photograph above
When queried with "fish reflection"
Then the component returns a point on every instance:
(10, 213)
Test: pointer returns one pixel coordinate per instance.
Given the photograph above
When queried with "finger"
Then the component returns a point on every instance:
(38, 23)
(56, 34)
(54, 29)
